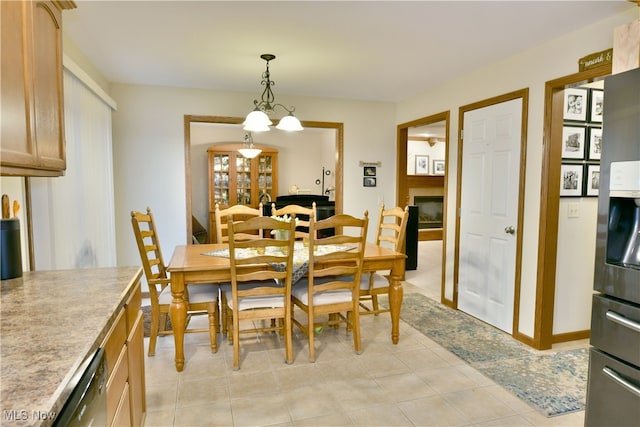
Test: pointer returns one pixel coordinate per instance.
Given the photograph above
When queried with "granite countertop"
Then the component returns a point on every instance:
(51, 321)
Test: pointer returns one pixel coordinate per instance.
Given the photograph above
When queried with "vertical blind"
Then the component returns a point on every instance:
(73, 216)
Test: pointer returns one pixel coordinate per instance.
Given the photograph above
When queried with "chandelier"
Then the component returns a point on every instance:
(258, 120)
(249, 151)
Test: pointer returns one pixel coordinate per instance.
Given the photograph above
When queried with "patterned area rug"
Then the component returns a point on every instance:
(553, 383)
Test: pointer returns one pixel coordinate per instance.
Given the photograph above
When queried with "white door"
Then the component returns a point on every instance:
(489, 212)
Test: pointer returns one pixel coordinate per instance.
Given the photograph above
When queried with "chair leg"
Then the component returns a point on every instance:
(212, 310)
(355, 320)
(236, 343)
(374, 302)
(288, 339)
(153, 333)
(311, 331)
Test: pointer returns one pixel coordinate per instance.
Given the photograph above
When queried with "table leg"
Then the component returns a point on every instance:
(396, 293)
(178, 313)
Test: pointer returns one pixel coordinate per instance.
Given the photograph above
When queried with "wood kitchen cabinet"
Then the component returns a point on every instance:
(236, 180)
(124, 349)
(32, 129)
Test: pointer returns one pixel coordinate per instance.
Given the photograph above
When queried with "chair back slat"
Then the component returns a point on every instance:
(238, 213)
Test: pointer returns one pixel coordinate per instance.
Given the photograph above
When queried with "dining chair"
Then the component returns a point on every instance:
(201, 299)
(391, 232)
(332, 283)
(260, 288)
(303, 217)
(237, 213)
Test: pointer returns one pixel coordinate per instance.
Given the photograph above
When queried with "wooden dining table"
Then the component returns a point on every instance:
(193, 264)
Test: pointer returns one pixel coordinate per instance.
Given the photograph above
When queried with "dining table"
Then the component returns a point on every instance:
(194, 264)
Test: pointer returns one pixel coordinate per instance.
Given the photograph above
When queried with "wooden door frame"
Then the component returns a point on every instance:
(524, 94)
(339, 157)
(402, 179)
(550, 206)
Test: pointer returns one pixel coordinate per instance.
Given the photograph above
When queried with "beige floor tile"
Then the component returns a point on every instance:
(160, 418)
(214, 413)
(338, 419)
(381, 415)
(306, 402)
(479, 405)
(260, 410)
(433, 411)
(414, 382)
(403, 387)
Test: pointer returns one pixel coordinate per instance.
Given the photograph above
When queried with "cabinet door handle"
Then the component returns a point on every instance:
(615, 377)
(621, 320)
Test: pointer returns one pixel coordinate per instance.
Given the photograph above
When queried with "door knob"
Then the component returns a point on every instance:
(510, 229)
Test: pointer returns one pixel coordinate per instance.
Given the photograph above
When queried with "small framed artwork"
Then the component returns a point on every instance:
(595, 143)
(571, 180)
(369, 171)
(368, 181)
(422, 164)
(438, 167)
(573, 142)
(597, 102)
(575, 104)
(592, 181)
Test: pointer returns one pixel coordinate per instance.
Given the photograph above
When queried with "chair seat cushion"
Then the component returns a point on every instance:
(197, 294)
(249, 303)
(378, 282)
(301, 291)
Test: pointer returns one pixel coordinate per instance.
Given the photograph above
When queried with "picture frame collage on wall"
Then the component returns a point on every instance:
(581, 142)
(369, 179)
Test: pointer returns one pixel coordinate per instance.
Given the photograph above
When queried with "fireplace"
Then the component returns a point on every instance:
(429, 211)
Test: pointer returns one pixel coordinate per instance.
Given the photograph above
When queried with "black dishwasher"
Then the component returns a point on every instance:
(87, 404)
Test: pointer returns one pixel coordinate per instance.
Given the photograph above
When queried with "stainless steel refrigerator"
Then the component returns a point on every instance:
(613, 391)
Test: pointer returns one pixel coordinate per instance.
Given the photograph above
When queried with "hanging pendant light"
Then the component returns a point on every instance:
(249, 151)
(258, 120)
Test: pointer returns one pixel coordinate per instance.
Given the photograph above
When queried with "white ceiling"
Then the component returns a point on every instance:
(367, 50)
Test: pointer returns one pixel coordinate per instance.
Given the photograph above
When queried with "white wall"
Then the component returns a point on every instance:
(148, 138)
(301, 156)
(149, 153)
(528, 69)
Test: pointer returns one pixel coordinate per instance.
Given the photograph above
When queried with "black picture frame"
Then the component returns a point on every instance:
(596, 105)
(571, 179)
(369, 171)
(591, 180)
(575, 104)
(595, 143)
(574, 142)
(369, 181)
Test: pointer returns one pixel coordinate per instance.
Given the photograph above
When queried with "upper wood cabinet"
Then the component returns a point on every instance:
(32, 129)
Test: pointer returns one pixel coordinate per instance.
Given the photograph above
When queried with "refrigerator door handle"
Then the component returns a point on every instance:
(621, 320)
(614, 376)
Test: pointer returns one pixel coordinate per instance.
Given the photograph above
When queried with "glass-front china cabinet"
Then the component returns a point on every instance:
(237, 180)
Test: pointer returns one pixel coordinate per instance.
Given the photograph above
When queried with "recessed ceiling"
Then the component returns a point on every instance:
(364, 50)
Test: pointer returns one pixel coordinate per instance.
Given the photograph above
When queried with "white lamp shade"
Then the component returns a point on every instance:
(257, 121)
(249, 153)
(289, 123)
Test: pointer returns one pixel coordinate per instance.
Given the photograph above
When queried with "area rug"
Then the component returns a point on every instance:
(553, 383)
(146, 311)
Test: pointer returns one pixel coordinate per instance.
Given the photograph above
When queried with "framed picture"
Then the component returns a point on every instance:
(592, 181)
(422, 164)
(369, 171)
(595, 143)
(597, 102)
(368, 181)
(571, 180)
(438, 167)
(575, 104)
(573, 142)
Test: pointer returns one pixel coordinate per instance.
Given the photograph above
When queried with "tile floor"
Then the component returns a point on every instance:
(413, 383)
